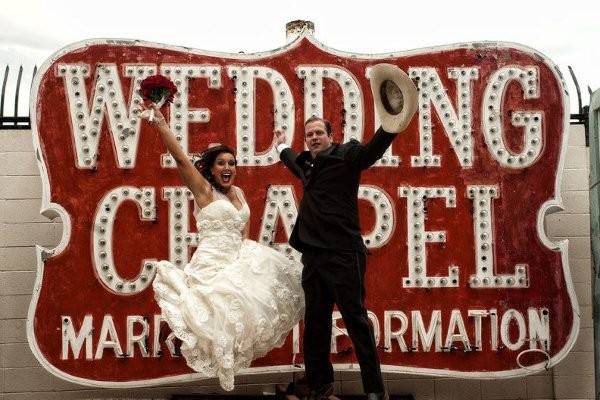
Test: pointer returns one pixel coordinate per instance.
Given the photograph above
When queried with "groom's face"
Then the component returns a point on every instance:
(316, 137)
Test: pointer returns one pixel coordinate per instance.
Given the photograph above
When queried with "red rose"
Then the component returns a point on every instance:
(158, 89)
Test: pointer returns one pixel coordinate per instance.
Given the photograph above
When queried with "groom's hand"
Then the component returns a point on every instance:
(279, 137)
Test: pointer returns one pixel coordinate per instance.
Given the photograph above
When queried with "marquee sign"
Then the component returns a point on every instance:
(462, 280)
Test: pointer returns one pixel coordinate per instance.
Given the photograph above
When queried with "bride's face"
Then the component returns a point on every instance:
(224, 170)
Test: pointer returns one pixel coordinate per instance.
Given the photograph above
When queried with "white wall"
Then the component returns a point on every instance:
(21, 227)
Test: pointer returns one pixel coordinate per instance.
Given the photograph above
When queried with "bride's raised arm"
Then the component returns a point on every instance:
(193, 179)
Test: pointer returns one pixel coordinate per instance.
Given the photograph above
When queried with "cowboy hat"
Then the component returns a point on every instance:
(395, 97)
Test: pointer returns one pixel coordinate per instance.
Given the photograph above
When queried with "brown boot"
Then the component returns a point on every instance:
(322, 393)
(296, 390)
(378, 396)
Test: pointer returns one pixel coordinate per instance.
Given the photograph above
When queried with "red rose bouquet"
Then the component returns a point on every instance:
(159, 90)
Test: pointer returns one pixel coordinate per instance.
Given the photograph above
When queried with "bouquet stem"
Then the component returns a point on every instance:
(160, 103)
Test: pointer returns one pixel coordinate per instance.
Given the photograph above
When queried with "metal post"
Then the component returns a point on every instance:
(594, 127)
(293, 29)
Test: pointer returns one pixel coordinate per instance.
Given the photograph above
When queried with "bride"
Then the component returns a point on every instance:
(236, 299)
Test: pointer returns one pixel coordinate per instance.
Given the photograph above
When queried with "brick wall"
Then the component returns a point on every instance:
(21, 227)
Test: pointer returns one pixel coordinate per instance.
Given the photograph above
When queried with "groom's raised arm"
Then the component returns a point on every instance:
(288, 156)
(365, 155)
(395, 97)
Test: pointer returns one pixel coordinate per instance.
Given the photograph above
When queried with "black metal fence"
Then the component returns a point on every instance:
(10, 115)
(582, 116)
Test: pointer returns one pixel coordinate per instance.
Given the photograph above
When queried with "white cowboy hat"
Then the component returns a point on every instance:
(395, 97)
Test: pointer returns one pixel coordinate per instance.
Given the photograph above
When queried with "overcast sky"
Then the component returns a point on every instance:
(567, 32)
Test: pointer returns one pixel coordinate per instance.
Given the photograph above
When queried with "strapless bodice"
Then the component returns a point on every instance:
(221, 217)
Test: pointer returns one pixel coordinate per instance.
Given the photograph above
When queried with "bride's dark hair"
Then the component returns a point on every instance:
(207, 159)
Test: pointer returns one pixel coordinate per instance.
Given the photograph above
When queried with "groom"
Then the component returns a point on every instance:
(327, 231)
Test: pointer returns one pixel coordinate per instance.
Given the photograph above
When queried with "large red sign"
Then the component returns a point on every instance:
(462, 280)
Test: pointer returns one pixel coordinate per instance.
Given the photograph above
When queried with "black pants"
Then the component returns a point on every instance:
(337, 277)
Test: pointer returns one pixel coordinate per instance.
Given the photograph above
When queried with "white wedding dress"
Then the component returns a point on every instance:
(235, 300)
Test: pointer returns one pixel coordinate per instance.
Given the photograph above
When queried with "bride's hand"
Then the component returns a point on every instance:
(158, 118)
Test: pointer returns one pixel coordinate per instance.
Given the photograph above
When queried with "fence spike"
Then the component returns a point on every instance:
(18, 88)
(3, 92)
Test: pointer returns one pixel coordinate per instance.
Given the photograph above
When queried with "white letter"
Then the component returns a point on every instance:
(181, 114)
(477, 315)
(539, 328)
(376, 328)
(336, 330)
(107, 95)
(418, 236)
(457, 126)
(180, 237)
(509, 315)
(388, 159)
(384, 215)
(140, 339)
(280, 202)
(492, 115)
(74, 340)
(156, 350)
(399, 334)
(427, 336)
(494, 328)
(108, 338)
(104, 262)
(351, 96)
(485, 276)
(283, 102)
(456, 321)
